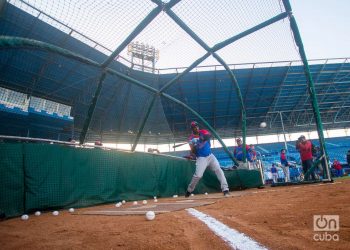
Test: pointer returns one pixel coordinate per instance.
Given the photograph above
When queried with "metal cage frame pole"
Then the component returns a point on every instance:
(284, 132)
(11, 42)
(211, 51)
(142, 126)
(240, 98)
(91, 110)
(106, 63)
(147, 20)
(311, 85)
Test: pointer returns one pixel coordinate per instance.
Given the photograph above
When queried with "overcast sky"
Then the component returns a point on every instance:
(324, 26)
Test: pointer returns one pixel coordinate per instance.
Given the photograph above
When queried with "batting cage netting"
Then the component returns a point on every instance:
(136, 73)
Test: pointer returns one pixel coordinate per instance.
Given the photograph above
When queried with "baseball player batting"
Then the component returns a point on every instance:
(199, 142)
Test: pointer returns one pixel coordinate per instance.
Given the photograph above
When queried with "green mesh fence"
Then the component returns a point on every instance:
(42, 177)
(11, 179)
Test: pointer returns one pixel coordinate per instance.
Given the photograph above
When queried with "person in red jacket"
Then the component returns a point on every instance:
(338, 168)
(305, 149)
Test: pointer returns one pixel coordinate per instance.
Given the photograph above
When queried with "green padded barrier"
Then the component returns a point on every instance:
(63, 176)
(11, 179)
(58, 176)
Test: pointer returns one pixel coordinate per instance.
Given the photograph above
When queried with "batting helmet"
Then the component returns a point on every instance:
(194, 124)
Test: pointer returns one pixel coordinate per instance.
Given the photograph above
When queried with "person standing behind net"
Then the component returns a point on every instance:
(305, 149)
(338, 168)
(253, 156)
(238, 153)
(199, 142)
(274, 173)
(285, 165)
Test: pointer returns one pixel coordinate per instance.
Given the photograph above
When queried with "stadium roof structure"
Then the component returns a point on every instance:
(123, 105)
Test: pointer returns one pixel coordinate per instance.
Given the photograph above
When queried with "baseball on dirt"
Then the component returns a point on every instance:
(206, 193)
(134, 203)
(118, 204)
(150, 215)
(123, 202)
(37, 213)
(71, 210)
(263, 125)
(55, 213)
(175, 196)
(24, 217)
(144, 202)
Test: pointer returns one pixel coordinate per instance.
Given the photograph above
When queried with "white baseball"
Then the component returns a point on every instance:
(192, 194)
(134, 203)
(155, 197)
(24, 217)
(263, 125)
(175, 196)
(144, 202)
(71, 210)
(37, 213)
(118, 204)
(55, 213)
(123, 202)
(206, 193)
(150, 215)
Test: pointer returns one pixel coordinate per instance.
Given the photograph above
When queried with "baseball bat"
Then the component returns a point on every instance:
(181, 144)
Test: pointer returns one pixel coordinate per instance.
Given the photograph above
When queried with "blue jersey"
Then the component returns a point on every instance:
(238, 153)
(202, 144)
(203, 148)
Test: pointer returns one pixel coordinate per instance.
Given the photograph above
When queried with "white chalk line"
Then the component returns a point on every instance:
(235, 239)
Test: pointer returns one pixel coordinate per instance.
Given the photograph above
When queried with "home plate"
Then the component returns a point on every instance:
(158, 208)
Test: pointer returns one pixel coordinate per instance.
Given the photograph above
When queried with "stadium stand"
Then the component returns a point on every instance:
(270, 153)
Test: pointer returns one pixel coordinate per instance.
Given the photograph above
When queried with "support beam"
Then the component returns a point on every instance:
(221, 61)
(91, 109)
(284, 132)
(240, 98)
(311, 87)
(145, 118)
(147, 20)
(221, 45)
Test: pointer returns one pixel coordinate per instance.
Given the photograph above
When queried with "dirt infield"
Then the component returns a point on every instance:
(278, 218)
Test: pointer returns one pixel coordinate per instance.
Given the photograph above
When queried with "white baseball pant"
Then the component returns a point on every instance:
(201, 165)
(286, 173)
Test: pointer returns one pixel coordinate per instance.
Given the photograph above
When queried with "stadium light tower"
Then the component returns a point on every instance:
(142, 55)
